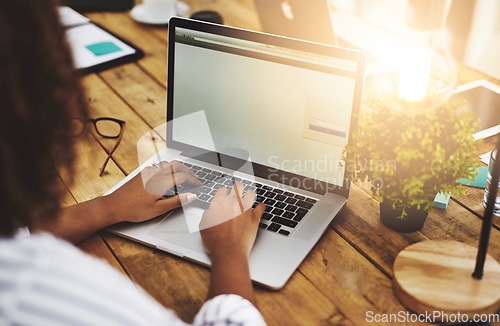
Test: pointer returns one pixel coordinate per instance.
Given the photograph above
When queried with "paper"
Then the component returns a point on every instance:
(103, 48)
(441, 201)
(485, 158)
(480, 178)
(92, 45)
(70, 18)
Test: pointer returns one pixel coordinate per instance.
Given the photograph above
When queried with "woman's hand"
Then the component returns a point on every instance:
(141, 198)
(228, 230)
(138, 200)
(230, 224)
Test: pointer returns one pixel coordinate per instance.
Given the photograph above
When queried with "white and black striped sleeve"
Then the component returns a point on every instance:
(228, 310)
(46, 281)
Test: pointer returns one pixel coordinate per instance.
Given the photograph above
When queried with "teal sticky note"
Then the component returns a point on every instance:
(441, 200)
(481, 178)
(103, 48)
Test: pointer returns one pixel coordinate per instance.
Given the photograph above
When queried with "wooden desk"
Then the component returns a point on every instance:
(346, 275)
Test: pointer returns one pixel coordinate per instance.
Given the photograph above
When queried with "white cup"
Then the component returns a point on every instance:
(159, 8)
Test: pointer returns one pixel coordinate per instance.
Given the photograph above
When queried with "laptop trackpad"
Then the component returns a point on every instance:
(181, 228)
(182, 220)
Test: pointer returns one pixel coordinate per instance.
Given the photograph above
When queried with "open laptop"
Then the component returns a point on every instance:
(315, 21)
(271, 112)
(304, 20)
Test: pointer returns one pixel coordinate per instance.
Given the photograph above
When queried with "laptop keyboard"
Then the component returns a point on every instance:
(284, 209)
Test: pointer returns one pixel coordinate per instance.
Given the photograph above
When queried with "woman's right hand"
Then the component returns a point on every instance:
(230, 225)
(228, 229)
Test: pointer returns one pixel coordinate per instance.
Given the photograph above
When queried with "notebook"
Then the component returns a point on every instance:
(92, 46)
(271, 112)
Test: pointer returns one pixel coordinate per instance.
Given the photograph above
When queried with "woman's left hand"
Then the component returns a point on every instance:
(138, 200)
(141, 198)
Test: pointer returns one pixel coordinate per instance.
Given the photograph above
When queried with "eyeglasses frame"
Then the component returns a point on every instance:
(118, 138)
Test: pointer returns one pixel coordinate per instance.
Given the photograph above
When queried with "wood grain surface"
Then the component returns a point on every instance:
(346, 275)
(427, 273)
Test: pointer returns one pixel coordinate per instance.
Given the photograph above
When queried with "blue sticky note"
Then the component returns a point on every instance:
(441, 200)
(481, 178)
(103, 48)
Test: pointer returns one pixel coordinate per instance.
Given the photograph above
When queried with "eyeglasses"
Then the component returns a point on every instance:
(105, 127)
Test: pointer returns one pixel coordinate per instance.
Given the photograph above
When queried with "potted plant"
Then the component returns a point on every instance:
(409, 158)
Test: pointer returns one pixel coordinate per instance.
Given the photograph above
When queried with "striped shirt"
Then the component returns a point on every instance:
(47, 281)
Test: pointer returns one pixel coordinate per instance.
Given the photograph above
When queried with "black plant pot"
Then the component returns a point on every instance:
(414, 220)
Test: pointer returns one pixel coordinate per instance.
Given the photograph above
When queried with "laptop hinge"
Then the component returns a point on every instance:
(208, 157)
(237, 162)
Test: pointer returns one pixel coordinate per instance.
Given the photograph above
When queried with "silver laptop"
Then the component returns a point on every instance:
(271, 112)
(305, 20)
(314, 21)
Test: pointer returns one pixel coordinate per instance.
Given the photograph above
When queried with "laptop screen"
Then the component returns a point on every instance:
(289, 109)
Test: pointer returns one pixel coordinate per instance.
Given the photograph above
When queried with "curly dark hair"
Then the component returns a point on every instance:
(39, 93)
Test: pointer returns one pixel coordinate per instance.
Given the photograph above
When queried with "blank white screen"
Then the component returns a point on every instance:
(265, 108)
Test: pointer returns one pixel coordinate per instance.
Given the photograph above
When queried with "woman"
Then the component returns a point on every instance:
(43, 279)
